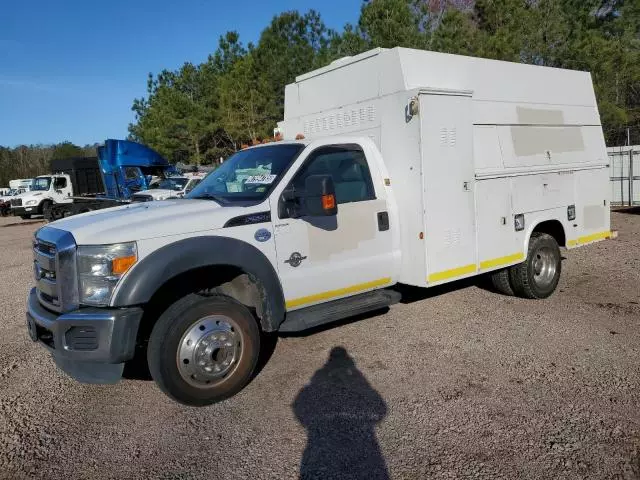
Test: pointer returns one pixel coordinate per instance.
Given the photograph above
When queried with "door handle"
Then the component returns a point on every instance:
(383, 221)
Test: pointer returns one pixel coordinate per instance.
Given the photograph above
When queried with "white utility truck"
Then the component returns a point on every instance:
(417, 168)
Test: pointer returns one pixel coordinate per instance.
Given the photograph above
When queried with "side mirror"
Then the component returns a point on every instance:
(320, 196)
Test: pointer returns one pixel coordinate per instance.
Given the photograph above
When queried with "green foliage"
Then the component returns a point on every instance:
(391, 23)
(33, 160)
(201, 112)
(66, 150)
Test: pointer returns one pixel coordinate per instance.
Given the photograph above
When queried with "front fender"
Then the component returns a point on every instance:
(153, 271)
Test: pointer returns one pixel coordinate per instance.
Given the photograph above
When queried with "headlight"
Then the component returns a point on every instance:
(31, 202)
(100, 267)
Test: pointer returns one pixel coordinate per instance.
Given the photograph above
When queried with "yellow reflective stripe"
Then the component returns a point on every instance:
(589, 238)
(296, 302)
(496, 262)
(454, 272)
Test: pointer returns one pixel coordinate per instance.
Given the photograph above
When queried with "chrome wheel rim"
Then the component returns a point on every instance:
(209, 351)
(544, 267)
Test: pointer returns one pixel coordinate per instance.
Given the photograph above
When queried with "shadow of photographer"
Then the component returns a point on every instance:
(340, 410)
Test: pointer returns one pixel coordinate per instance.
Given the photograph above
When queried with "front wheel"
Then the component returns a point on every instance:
(46, 211)
(25, 217)
(539, 274)
(203, 349)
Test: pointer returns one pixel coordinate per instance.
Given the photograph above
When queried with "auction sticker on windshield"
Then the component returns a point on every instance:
(260, 179)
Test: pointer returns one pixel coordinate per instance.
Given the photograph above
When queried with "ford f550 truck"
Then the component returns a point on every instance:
(417, 168)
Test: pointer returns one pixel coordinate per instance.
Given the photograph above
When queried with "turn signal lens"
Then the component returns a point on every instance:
(122, 264)
(328, 202)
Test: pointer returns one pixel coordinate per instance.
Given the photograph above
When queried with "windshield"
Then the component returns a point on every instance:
(41, 183)
(248, 174)
(176, 184)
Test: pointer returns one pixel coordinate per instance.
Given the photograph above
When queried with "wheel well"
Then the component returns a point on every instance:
(553, 228)
(219, 279)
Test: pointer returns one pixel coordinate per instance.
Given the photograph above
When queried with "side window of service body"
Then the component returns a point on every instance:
(348, 167)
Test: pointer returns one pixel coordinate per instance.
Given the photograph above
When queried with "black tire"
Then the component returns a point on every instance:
(501, 283)
(25, 217)
(46, 211)
(525, 280)
(168, 335)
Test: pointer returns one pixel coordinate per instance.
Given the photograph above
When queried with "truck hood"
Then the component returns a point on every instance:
(139, 221)
(31, 195)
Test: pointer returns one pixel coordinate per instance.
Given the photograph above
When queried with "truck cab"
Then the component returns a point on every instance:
(126, 167)
(433, 173)
(44, 191)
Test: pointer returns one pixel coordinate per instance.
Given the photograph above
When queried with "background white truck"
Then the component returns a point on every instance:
(44, 191)
(418, 168)
(20, 183)
(171, 187)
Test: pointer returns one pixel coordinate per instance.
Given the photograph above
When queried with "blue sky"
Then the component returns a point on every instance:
(70, 69)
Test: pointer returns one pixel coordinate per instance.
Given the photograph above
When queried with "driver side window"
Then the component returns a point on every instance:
(59, 183)
(348, 167)
(131, 173)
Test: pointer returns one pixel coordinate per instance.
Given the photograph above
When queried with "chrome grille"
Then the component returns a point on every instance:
(54, 269)
(16, 202)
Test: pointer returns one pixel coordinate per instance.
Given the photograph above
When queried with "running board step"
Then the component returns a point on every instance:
(328, 312)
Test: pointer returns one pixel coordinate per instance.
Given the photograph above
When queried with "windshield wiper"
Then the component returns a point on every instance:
(210, 196)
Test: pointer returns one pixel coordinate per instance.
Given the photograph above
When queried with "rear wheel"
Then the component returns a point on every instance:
(500, 281)
(203, 349)
(25, 217)
(539, 274)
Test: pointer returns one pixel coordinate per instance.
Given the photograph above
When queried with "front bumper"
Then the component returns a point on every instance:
(19, 211)
(89, 344)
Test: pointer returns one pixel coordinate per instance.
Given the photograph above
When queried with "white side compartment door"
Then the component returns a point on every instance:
(326, 258)
(448, 179)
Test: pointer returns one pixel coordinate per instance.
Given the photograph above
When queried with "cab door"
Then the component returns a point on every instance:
(61, 190)
(134, 180)
(330, 257)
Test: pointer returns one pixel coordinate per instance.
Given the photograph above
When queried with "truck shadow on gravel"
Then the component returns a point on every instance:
(339, 410)
(22, 222)
(409, 295)
(628, 210)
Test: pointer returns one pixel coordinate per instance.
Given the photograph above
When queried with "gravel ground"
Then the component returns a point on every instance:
(457, 383)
